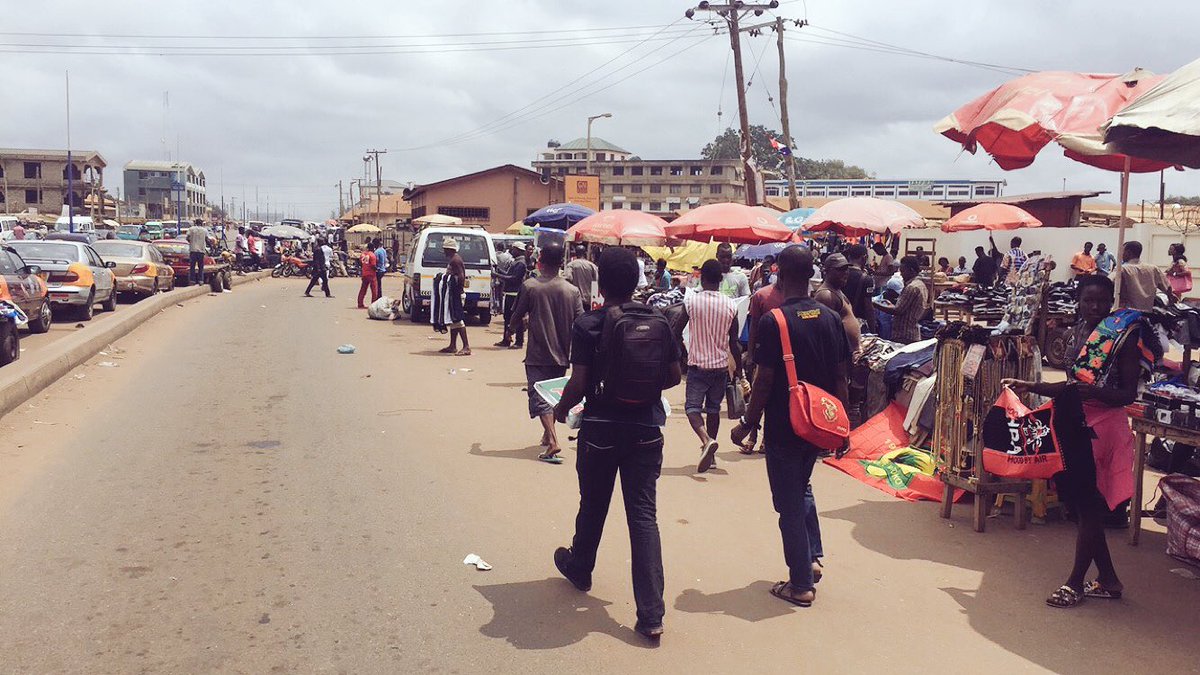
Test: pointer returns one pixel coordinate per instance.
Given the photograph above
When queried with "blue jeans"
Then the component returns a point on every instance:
(789, 470)
(195, 267)
(705, 390)
(635, 451)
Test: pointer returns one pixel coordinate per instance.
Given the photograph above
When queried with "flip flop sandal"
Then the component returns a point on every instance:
(550, 459)
(817, 572)
(1093, 589)
(778, 591)
(1064, 598)
(746, 450)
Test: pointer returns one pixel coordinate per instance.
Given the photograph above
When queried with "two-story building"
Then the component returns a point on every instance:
(150, 189)
(37, 179)
(665, 187)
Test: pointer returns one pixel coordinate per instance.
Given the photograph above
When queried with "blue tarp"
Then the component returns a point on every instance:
(760, 251)
(794, 218)
(558, 216)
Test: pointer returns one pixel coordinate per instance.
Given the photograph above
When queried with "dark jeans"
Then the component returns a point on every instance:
(379, 281)
(636, 452)
(789, 470)
(319, 275)
(509, 304)
(196, 267)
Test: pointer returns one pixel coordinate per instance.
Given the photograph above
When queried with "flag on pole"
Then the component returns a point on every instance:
(781, 148)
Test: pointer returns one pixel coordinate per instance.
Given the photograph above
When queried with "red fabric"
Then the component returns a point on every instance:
(729, 222)
(368, 261)
(880, 435)
(622, 227)
(990, 216)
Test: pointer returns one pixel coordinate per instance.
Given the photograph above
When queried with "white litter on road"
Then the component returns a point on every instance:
(1185, 573)
(107, 364)
(478, 562)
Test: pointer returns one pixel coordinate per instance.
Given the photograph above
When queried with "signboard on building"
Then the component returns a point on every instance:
(583, 190)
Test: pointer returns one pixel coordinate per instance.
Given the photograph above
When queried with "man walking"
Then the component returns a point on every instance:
(454, 288)
(381, 264)
(551, 304)
(366, 263)
(511, 279)
(910, 307)
(1083, 263)
(712, 324)
(197, 238)
(1106, 262)
(821, 357)
(617, 436)
(582, 273)
(320, 270)
(734, 283)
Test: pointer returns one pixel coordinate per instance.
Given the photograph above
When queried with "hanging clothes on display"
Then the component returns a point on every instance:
(447, 302)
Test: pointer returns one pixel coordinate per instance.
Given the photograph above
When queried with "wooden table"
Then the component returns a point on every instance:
(1141, 429)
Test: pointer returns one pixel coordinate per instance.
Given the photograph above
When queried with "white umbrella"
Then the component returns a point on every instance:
(285, 232)
(438, 219)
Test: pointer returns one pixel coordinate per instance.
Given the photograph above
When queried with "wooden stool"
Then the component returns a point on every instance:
(985, 492)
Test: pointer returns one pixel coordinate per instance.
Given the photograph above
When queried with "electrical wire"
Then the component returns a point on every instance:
(325, 37)
(840, 38)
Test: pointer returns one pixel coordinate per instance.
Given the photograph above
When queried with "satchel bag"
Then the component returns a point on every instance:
(735, 399)
(816, 415)
(1019, 442)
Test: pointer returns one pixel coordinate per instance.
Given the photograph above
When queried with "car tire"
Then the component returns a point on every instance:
(10, 343)
(45, 316)
(88, 310)
(226, 280)
(214, 282)
(110, 304)
(484, 317)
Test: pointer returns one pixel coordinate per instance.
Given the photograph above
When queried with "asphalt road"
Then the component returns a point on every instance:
(235, 496)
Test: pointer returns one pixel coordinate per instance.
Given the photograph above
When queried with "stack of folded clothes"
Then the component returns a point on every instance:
(1060, 298)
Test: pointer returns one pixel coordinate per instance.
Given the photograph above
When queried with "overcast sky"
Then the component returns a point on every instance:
(296, 121)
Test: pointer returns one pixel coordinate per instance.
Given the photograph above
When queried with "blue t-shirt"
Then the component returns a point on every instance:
(381, 259)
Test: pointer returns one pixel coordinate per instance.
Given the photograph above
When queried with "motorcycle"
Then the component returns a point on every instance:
(292, 266)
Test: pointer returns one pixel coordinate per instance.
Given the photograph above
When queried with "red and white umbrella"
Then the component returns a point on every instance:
(990, 216)
(860, 216)
(620, 227)
(729, 222)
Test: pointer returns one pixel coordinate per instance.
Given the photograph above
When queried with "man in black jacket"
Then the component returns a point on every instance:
(320, 271)
(511, 279)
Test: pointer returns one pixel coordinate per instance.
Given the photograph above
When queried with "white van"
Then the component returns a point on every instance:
(7, 225)
(82, 225)
(427, 259)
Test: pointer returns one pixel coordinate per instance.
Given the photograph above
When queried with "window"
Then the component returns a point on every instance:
(1, 171)
(656, 206)
(958, 193)
(635, 171)
(141, 192)
(714, 189)
(908, 193)
(636, 189)
(656, 171)
(988, 191)
(677, 171)
(636, 206)
(885, 192)
(466, 212)
(618, 189)
(861, 192)
(33, 196)
(676, 189)
(618, 171)
(695, 189)
(618, 205)
(655, 189)
(841, 192)
(72, 171)
(718, 170)
(472, 247)
(33, 170)
(93, 258)
(696, 170)
(562, 170)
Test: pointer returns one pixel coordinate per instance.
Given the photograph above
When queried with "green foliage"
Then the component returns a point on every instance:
(728, 146)
(1185, 201)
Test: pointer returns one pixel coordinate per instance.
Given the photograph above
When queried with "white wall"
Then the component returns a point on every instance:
(1061, 243)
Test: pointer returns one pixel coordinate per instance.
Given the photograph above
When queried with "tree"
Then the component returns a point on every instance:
(728, 146)
(1186, 201)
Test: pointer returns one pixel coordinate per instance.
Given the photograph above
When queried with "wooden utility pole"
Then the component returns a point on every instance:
(341, 202)
(793, 198)
(378, 184)
(732, 12)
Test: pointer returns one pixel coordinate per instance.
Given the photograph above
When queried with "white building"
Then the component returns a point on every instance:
(890, 189)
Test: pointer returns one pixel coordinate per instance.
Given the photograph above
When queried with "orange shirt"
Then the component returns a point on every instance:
(1083, 263)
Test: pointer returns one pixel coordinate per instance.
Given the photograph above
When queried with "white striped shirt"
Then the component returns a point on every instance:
(710, 314)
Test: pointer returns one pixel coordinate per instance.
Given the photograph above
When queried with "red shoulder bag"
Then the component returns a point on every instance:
(817, 416)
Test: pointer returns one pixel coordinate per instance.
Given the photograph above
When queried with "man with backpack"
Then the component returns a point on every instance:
(712, 324)
(818, 353)
(623, 356)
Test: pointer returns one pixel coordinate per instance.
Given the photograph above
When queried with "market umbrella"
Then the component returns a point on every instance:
(520, 228)
(438, 219)
(1016, 120)
(285, 232)
(990, 216)
(1164, 123)
(795, 218)
(620, 227)
(860, 216)
(729, 222)
(760, 251)
(558, 216)
(364, 227)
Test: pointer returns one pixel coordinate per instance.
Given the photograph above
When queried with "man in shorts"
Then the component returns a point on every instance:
(712, 324)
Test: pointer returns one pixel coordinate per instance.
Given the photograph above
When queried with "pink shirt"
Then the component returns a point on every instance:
(710, 314)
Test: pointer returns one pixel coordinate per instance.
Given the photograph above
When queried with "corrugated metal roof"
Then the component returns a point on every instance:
(597, 144)
(1030, 197)
(156, 165)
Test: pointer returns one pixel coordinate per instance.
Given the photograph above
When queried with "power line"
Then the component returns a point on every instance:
(844, 39)
(323, 37)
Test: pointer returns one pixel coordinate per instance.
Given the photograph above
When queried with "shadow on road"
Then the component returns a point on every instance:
(549, 614)
(530, 453)
(508, 385)
(752, 603)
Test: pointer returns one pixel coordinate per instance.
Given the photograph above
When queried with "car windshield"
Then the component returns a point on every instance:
(129, 229)
(31, 250)
(118, 249)
(171, 247)
(472, 247)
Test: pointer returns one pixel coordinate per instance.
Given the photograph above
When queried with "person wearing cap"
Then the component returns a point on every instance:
(831, 294)
(456, 277)
(583, 274)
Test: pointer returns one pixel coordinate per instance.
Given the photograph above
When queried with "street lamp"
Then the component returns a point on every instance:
(588, 159)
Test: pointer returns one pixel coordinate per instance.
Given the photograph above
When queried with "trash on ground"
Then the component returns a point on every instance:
(107, 364)
(79, 325)
(453, 371)
(346, 349)
(464, 370)
(179, 304)
(80, 376)
(478, 562)
(1185, 573)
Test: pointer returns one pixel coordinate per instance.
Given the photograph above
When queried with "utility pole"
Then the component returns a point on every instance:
(732, 12)
(793, 198)
(1162, 193)
(378, 184)
(341, 202)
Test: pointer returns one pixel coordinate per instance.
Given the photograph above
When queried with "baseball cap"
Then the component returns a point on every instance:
(835, 261)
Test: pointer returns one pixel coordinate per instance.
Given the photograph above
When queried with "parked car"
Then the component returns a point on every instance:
(140, 269)
(129, 232)
(427, 259)
(10, 340)
(77, 276)
(21, 285)
(217, 274)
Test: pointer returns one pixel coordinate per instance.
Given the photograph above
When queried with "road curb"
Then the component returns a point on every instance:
(24, 379)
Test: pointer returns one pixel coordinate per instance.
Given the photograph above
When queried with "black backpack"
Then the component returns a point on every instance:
(633, 356)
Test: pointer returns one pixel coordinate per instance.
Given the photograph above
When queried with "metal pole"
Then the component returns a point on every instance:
(587, 159)
(70, 163)
(1162, 193)
(1121, 229)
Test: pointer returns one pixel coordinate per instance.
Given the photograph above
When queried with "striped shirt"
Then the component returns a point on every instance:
(1018, 258)
(710, 314)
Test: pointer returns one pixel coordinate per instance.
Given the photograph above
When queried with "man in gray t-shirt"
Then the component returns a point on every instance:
(197, 238)
(582, 273)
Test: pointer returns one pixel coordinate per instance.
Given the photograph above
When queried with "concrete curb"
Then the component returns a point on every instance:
(24, 379)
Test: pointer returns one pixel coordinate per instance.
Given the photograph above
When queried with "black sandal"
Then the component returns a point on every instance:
(1093, 589)
(1064, 598)
(783, 590)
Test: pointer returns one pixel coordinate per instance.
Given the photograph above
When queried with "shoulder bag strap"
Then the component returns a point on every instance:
(785, 342)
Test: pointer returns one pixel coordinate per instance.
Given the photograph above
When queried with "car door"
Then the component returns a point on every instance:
(103, 275)
(18, 291)
(161, 269)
